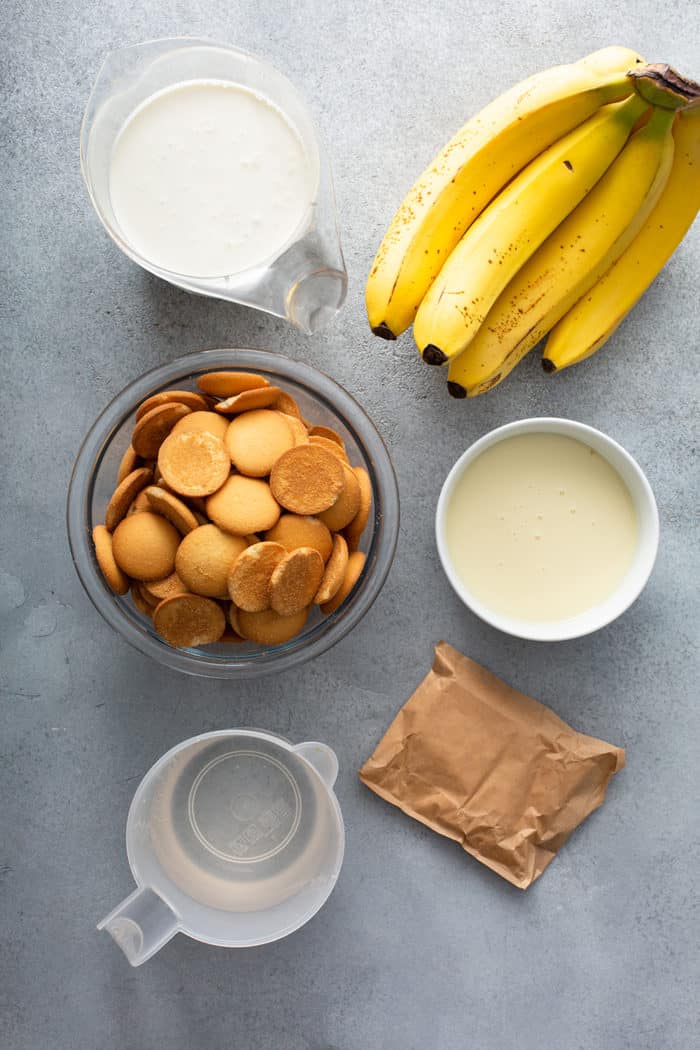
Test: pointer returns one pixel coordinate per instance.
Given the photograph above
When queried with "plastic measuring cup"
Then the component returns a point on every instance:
(235, 838)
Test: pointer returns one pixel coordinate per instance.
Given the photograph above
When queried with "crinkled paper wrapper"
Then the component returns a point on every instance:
(489, 767)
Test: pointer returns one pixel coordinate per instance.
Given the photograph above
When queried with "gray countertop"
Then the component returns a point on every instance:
(419, 944)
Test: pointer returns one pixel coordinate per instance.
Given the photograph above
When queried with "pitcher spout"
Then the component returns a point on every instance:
(141, 925)
(315, 299)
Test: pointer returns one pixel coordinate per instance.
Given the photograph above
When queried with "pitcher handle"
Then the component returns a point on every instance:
(141, 925)
(322, 757)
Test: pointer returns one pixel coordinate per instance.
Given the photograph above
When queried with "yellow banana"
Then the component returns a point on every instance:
(594, 318)
(570, 261)
(513, 227)
(474, 166)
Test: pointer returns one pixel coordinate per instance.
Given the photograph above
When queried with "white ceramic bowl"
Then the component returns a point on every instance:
(647, 541)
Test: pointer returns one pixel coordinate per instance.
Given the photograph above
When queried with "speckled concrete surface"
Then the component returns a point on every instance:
(419, 944)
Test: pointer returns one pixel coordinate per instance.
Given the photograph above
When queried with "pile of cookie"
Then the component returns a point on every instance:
(233, 516)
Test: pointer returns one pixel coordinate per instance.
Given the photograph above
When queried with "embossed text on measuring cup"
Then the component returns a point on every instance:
(244, 806)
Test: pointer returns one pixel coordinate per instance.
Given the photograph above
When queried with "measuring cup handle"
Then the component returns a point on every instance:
(141, 925)
(322, 757)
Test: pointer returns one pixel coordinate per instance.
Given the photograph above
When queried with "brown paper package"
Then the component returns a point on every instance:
(489, 767)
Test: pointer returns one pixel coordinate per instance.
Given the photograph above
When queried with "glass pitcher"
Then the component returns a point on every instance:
(306, 280)
(234, 838)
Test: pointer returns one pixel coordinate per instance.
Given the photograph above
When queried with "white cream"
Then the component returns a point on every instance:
(541, 527)
(208, 179)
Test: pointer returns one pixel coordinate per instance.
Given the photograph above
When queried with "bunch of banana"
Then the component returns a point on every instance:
(550, 211)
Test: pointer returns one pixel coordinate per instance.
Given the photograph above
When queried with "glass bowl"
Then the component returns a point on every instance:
(321, 400)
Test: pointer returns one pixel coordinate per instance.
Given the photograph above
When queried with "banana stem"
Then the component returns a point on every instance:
(663, 86)
(632, 108)
(661, 121)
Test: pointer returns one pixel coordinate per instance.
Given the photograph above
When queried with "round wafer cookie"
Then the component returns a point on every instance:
(189, 620)
(328, 433)
(346, 506)
(301, 434)
(124, 495)
(194, 401)
(331, 446)
(268, 627)
(243, 505)
(297, 530)
(152, 429)
(141, 502)
(129, 461)
(172, 508)
(250, 575)
(334, 574)
(356, 563)
(295, 581)
(255, 441)
(307, 479)
(157, 590)
(286, 403)
(204, 559)
(357, 526)
(117, 580)
(207, 421)
(263, 397)
(144, 546)
(195, 463)
(139, 601)
(228, 384)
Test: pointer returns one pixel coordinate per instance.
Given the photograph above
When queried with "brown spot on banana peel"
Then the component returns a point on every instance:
(433, 355)
(661, 85)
